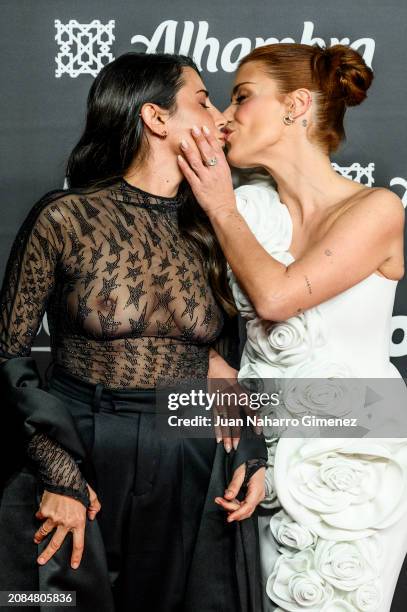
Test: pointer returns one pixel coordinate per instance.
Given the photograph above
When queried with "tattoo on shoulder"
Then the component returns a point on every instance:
(328, 253)
(308, 284)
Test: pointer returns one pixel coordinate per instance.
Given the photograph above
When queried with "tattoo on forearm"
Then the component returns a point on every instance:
(308, 284)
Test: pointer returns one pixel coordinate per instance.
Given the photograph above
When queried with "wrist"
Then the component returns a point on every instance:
(223, 212)
(81, 494)
(219, 367)
(221, 370)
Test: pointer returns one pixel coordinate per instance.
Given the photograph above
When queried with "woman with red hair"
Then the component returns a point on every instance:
(316, 282)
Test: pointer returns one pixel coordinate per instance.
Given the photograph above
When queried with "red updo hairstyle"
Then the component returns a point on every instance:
(338, 75)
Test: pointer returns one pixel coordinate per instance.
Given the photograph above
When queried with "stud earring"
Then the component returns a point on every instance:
(288, 119)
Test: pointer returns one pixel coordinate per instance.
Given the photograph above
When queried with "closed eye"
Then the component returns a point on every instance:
(240, 99)
(204, 105)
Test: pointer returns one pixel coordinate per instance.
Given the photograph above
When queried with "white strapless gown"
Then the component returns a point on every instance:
(336, 534)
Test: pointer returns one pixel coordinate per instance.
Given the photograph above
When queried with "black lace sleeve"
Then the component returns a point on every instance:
(28, 282)
(252, 466)
(57, 470)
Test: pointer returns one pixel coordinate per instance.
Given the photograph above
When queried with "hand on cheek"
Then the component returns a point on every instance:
(204, 165)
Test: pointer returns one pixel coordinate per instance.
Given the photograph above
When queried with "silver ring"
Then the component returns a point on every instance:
(212, 161)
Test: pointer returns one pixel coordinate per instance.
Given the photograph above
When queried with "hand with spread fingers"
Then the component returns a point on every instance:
(64, 514)
(206, 169)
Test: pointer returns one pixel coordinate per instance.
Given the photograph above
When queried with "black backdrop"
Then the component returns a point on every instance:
(52, 49)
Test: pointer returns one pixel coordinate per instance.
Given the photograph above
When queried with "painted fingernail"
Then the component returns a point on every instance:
(218, 439)
(206, 130)
(235, 444)
(180, 158)
(75, 565)
(41, 560)
(196, 130)
(184, 144)
(228, 448)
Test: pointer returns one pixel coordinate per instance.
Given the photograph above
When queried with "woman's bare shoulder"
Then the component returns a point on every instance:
(376, 206)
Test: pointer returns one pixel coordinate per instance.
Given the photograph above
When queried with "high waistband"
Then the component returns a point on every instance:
(99, 396)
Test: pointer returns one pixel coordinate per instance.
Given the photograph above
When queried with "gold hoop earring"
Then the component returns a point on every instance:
(288, 119)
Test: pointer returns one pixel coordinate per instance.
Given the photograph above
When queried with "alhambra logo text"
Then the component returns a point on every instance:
(86, 48)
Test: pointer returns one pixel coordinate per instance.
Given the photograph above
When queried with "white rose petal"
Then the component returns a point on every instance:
(368, 597)
(294, 584)
(282, 345)
(344, 475)
(342, 489)
(287, 335)
(335, 396)
(289, 533)
(348, 565)
(339, 605)
(332, 482)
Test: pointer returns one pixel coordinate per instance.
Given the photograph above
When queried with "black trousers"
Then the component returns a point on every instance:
(159, 542)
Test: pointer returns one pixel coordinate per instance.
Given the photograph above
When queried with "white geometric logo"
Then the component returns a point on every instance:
(356, 172)
(84, 47)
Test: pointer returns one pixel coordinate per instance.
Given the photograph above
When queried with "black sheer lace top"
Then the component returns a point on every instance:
(128, 301)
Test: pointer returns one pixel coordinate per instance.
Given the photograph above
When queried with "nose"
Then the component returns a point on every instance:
(228, 114)
(220, 122)
(218, 118)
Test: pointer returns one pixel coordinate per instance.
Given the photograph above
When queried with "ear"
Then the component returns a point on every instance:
(155, 118)
(298, 102)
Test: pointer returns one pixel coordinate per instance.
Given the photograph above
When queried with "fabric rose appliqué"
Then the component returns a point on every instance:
(323, 575)
(334, 396)
(290, 534)
(295, 585)
(343, 489)
(348, 565)
(367, 597)
(288, 343)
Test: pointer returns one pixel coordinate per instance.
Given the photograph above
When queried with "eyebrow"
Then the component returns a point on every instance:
(205, 91)
(236, 87)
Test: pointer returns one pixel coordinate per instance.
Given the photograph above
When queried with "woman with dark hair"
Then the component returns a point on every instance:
(134, 284)
(317, 285)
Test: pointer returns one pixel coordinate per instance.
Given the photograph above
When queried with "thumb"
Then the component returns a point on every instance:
(92, 513)
(94, 505)
(236, 482)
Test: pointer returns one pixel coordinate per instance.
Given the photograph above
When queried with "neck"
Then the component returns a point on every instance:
(158, 174)
(306, 181)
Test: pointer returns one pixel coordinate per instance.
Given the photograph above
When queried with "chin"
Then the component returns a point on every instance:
(234, 159)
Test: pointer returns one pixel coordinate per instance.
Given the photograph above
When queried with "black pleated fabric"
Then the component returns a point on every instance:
(160, 543)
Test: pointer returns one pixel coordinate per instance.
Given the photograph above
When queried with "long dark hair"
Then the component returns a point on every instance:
(114, 137)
